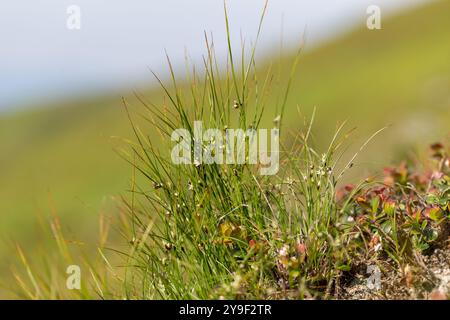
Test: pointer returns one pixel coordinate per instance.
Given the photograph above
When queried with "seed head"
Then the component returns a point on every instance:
(157, 185)
(277, 119)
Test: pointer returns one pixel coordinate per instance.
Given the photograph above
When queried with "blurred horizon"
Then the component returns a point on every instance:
(43, 62)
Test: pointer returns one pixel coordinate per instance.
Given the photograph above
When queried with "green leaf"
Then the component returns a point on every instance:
(344, 267)
(424, 224)
(375, 203)
(431, 199)
(435, 214)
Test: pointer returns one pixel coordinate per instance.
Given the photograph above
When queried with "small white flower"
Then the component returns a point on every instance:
(289, 180)
(377, 247)
(284, 251)
(236, 282)
(277, 119)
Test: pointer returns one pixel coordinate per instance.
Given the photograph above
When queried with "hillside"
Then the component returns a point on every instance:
(62, 156)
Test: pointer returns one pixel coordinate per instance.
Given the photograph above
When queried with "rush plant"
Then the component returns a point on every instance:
(222, 230)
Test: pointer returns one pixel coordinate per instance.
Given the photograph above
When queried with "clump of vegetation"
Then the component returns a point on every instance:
(223, 231)
(403, 220)
(409, 210)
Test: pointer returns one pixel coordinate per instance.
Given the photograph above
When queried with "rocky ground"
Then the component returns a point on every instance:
(429, 278)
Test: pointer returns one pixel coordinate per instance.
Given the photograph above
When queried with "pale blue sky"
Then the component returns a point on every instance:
(40, 59)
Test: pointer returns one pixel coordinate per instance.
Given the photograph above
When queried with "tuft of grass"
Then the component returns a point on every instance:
(223, 231)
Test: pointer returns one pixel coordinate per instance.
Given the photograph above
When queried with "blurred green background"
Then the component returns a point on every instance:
(61, 157)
